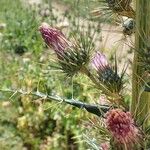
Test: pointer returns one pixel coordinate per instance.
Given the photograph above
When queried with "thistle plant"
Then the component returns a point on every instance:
(70, 58)
(107, 79)
(125, 126)
(106, 74)
(123, 129)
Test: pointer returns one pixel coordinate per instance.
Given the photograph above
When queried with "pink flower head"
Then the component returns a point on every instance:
(122, 127)
(105, 146)
(99, 62)
(54, 38)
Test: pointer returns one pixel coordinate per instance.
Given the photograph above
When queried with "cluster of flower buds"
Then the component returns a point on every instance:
(106, 75)
(121, 7)
(71, 57)
(122, 128)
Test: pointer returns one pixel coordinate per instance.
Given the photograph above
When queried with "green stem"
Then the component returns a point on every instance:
(98, 110)
(140, 98)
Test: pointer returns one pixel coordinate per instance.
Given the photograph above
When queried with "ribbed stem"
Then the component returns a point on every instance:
(141, 99)
(98, 110)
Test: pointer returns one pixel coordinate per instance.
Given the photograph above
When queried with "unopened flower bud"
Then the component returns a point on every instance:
(105, 73)
(54, 38)
(71, 57)
(100, 62)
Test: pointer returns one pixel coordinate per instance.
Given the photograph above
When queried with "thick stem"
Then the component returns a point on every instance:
(141, 99)
(98, 110)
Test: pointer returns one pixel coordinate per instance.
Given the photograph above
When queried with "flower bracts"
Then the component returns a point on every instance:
(71, 57)
(106, 74)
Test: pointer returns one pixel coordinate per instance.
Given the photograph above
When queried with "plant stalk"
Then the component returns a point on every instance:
(98, 110)
(140, 105)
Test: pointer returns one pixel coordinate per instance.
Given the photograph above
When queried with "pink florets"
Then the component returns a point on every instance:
(105, 146)
(122, 127)
(54, 38)
(99, 62)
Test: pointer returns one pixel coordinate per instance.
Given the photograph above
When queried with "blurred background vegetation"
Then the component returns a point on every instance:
(26, 122)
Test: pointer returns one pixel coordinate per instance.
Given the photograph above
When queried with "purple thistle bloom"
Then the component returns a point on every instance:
(122, 127)
(54, 38)
(100, 62)
(106, 74)
(71, 57)
(105, 146)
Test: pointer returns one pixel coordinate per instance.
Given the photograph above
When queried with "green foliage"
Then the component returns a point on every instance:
(25, 120)
(25, 64)
(21, 23)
